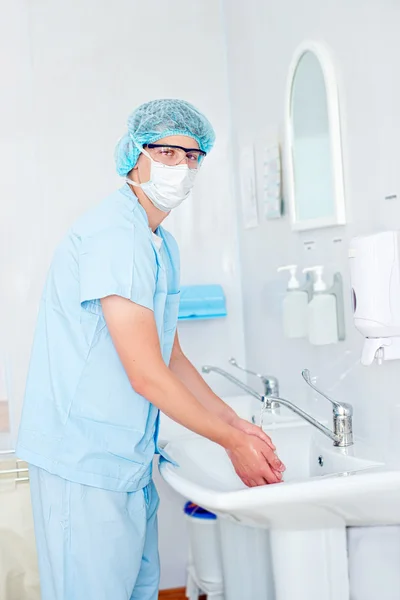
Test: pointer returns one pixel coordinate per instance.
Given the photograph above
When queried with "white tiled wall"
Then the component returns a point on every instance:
(362, 36)
(366, 50)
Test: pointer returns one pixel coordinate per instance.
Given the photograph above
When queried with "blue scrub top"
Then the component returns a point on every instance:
(81, 419)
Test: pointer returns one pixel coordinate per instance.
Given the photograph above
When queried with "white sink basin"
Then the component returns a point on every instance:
(298, 528)
(320, 482)
(303, 539)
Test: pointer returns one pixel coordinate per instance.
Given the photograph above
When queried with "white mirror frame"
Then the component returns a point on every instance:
(328, 71)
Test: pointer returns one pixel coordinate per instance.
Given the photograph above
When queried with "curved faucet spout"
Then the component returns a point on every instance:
(243, 386)
(301, 413)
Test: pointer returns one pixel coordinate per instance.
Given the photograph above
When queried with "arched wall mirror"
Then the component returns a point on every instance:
(313, 141)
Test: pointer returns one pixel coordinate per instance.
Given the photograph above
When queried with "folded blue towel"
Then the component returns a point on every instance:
(202, 302)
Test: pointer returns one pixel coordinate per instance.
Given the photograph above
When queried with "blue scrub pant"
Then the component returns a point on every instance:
(94, 544)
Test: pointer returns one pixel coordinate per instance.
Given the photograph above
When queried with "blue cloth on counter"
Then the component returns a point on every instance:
(94, 544)
(81, 419)
(202, 302)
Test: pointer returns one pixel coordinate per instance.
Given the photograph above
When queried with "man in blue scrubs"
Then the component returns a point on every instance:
(106, 357)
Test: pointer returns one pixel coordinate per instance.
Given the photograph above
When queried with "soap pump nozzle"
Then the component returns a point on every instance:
(293, 283)
(319, 284)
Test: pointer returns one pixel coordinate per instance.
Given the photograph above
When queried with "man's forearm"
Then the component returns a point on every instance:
(181, 366)
(164, 389)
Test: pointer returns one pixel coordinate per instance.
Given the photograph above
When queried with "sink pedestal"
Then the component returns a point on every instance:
(246, 562)
(310, 564)
(374, 559)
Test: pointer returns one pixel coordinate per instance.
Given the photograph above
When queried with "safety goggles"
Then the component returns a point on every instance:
(172, 155)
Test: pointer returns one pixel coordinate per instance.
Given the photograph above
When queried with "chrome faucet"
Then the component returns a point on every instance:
(342, 415)
(270, 383)
(243, 386)
(342, 434)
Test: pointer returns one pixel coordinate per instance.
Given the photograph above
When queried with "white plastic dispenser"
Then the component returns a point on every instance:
(375, 280)
(322, 311)
(294, 307)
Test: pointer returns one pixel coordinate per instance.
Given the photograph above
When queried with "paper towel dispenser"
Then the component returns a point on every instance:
(375, 280)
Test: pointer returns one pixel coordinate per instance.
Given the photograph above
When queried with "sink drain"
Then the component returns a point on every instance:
(321, 461)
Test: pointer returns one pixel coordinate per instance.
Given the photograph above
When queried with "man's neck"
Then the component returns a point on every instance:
(154, 215)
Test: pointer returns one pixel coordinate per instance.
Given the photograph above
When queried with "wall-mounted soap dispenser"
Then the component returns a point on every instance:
(294, 308)
(375, 279)
(325, 315)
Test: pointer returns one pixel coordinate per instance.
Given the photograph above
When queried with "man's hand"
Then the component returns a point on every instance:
(276, 465)
(251, 429)
(255, 462)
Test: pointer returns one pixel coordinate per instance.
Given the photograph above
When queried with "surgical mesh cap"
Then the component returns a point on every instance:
(155, 120)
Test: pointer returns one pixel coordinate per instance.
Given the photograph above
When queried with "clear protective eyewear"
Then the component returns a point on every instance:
(174, 155)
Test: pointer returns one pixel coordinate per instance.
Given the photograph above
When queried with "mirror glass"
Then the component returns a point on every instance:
(311, 144)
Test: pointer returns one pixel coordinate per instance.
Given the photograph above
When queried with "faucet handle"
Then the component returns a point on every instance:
(233, 362)
(340, 408)
(270, 382)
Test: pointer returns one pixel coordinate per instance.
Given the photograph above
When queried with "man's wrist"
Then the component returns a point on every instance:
(232, 439)
(230, 417)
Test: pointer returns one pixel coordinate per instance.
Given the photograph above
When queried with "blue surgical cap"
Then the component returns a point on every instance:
(158, 119)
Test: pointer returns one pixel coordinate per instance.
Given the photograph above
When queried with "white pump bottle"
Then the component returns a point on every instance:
(294, 306)
(322, 312)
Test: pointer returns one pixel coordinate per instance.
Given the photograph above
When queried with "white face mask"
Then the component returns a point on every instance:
(168, 186)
